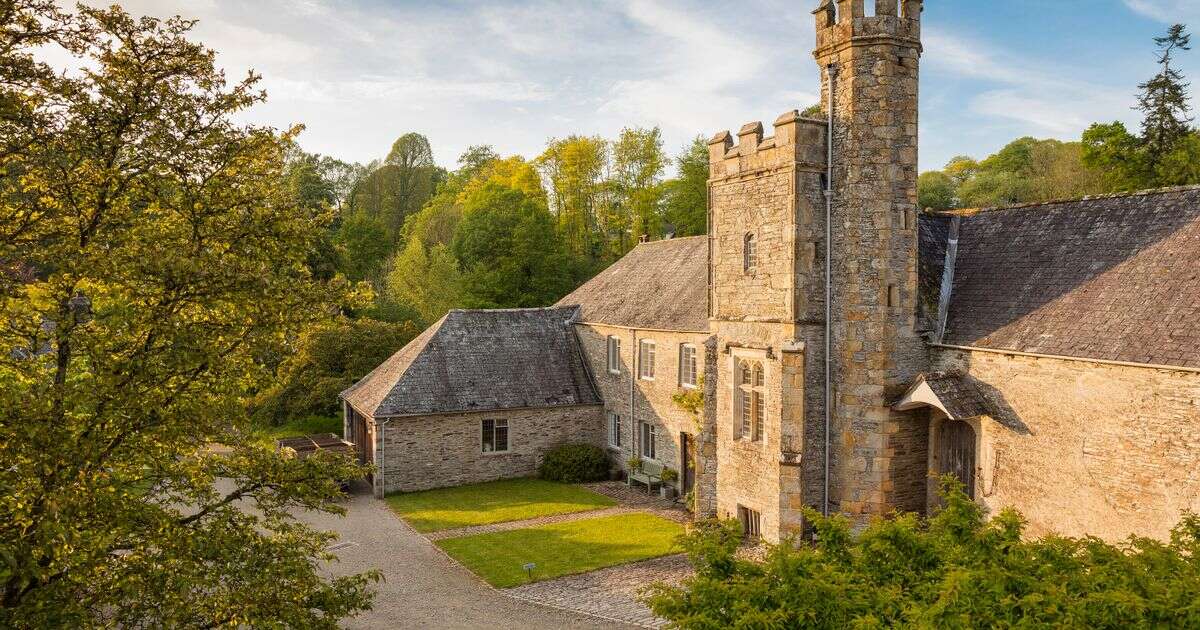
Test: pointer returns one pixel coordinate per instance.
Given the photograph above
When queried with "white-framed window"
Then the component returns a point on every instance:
(649, 441)
(751, 522)
(495, 436)
(614, 429)
(751, 400)
(687, 365)
(749, 252)
(614, 355)
(646, 360)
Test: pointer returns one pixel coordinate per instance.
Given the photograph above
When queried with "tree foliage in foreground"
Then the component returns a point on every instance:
(328, 359)
(163, 255)
(956, 570)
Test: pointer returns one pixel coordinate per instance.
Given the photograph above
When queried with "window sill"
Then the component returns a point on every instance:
(496, 453)
(646, 378)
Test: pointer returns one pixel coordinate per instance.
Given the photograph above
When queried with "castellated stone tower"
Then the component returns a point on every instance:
(767, 248)
(878, 455)
(766, 309)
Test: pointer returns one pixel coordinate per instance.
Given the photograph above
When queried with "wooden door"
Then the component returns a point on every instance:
(687, 448)
(956, 452)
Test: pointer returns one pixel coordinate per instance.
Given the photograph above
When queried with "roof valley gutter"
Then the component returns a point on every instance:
(947, 278)
(832, 71)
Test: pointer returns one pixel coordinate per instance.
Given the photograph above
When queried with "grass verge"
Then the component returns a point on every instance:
(304, 426)
(564, 548)
(493, 502)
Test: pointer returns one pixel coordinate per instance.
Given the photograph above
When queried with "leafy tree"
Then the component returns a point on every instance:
(474, 159)
(638, 164)
(936, 191)
(427, 279)
(1164, 99)
(1025, 170)
(329, 358)
(321, 182)
(362, 244)
(956, 570)
(513, 172)
(575, 170)
(509, 251)
(396, 188)
(170, 254)
(1118, 155)
(685, 203)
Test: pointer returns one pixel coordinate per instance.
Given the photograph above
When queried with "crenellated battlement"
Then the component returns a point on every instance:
(797, 141)
(840, 22)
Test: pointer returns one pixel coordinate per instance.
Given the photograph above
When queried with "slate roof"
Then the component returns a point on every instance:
(1114, 278)
(481, 360)
(660, 285)
(958, 395)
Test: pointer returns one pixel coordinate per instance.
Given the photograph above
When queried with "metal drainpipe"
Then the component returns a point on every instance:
(383, 458)
(833, 72)
(633, 432)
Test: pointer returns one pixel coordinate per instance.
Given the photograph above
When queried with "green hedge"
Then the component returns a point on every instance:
(575, 463)
(957, 569)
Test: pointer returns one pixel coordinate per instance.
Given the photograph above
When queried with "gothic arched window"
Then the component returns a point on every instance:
(749, 252)
(751, 400)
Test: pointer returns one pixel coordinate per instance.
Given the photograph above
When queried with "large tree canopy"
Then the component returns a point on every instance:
(161, 254)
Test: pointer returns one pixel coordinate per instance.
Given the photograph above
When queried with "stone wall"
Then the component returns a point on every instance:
(1086, 448)
(438, 451)
(876, 349)
(651, 402)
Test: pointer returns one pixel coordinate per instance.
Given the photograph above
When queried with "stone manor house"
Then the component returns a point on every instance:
(850, 348)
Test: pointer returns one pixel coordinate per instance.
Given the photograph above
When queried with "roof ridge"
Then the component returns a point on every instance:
(967, 212)
(526, 309)
(672, 239)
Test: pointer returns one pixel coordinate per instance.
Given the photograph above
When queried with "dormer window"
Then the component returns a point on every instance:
(750, 253)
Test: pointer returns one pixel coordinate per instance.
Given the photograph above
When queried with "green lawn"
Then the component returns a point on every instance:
(493, 502)
(304, 426)
(564, 548)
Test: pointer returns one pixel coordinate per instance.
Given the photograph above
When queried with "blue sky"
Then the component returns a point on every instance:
(359, 73)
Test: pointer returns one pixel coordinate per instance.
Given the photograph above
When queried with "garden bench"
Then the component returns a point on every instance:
(650, 474)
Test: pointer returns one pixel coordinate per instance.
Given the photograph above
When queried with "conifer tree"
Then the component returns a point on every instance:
(1164, 98)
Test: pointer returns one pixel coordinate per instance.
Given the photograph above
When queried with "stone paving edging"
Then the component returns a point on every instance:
(613, 510)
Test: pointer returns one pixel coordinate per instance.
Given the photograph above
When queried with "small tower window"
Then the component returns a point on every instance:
(750, 253)
(893, 296)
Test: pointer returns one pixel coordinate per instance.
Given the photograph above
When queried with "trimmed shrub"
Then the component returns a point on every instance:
(575, 463)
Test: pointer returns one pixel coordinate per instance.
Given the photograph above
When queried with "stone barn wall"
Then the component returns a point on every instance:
(437, 451)
(1084, 447)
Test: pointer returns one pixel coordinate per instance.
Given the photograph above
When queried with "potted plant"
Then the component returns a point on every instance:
(634, 464)
(667, 488)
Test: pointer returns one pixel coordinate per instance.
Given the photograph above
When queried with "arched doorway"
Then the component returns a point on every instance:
(956, 452)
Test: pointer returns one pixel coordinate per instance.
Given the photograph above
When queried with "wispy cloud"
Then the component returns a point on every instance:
(1167, 11)
(1017, 89)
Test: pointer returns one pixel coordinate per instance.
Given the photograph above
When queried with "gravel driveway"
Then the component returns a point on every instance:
(423, 587)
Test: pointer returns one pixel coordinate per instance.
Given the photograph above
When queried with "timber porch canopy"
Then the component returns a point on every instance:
(952, 394)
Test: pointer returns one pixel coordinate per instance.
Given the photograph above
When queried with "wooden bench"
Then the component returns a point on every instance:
(650, 474)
